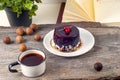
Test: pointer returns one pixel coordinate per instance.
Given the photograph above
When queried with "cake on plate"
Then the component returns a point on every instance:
(66, 38)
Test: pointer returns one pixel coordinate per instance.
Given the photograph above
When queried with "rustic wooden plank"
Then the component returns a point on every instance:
(106, 51)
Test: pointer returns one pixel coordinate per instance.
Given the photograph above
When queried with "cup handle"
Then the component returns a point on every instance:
(11, 65)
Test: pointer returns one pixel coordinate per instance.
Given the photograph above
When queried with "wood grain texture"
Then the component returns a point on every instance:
(106, 51)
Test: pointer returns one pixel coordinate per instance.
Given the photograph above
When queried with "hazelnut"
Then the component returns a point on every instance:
(98, 66)
(29, 31)
(33, 26)
(19, 39)
(37, 37)
(7, 40)
(20, 31)
(22, 47)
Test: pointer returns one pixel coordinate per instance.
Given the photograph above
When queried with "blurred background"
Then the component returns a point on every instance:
(47, 13)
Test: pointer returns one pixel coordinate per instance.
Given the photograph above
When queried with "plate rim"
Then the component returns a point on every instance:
(65, 54)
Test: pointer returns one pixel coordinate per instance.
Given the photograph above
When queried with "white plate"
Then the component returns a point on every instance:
(87, 43)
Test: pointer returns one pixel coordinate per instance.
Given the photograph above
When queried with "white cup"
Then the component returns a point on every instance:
(30, 70)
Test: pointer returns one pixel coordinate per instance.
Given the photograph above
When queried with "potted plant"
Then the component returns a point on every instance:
(19, 12)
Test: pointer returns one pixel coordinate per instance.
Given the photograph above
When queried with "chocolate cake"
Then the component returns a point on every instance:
(66, 38)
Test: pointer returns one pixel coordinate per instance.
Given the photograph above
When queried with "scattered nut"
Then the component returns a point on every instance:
(33, 27)
(29, 31)
(20, 31)
(19, 39)
(37, 37)
(22, 47)
(98, 66)
(7, 40)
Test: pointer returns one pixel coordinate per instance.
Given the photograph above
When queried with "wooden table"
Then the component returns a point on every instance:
(106, 50)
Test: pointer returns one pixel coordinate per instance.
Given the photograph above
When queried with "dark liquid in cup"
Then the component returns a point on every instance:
(32, 59)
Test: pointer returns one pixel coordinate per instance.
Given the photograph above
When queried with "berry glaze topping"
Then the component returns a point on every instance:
(66, 37)
(67, 29)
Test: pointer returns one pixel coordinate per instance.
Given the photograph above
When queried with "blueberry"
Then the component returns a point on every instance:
(98, 66)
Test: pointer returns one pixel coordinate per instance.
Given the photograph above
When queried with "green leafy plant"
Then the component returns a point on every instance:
(19, 5)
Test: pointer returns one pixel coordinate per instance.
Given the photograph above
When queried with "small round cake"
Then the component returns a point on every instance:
(66, 38)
